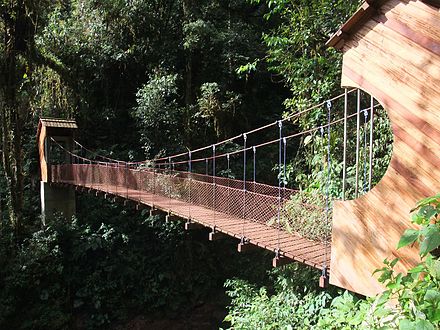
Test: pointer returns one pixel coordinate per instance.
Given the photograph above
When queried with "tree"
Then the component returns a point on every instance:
(18, 26)
(20, 23)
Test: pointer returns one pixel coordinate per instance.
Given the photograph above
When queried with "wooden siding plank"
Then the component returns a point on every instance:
(402, 72)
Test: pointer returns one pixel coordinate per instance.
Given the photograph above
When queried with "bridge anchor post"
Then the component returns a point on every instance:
(56, 199)
(55, 138)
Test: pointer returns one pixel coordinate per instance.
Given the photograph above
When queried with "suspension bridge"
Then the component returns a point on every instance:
(228, 187)
(253, 212)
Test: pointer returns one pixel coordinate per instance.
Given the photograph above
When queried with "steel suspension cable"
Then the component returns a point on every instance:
(358, 124)
(289, 117)
(84, 159)
(95, 153)
(244, 187)
(189, 193)
(314, 129)
(254, 167)
(327, 190)
(280, 128)
(170, 168)
(213, 186)
(344, 147)
(237, 151)
(365, 151)
(284, 167)
(370, 174)
(229, 183)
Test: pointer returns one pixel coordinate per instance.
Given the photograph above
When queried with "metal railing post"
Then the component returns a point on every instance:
(370, 176)
(358, 124)
(344, 160)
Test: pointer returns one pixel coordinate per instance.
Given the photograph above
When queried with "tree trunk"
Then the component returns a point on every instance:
(12, 71)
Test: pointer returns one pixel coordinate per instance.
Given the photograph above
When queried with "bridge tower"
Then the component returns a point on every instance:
(55, 198)
(391, 49)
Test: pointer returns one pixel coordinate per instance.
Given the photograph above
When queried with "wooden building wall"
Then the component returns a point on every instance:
(395, 56)
(41, 148)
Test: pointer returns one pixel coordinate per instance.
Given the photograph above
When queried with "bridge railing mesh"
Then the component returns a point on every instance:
(243, 200)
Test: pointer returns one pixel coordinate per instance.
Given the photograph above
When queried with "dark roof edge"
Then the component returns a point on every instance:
(365, 11)
(58, 119)
(43, 120)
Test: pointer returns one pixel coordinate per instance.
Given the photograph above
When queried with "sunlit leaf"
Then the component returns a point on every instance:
(408, 237)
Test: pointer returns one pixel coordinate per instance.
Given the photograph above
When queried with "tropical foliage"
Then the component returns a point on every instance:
(148, 78)
(410, 301)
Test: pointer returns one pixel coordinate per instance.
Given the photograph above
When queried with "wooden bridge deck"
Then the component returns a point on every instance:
(290, 246)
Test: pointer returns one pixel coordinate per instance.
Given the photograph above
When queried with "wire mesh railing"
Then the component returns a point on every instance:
(227, 182)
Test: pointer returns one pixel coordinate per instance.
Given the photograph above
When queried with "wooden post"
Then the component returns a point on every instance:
(154, 212)
(192, 225)
(170, 217)
(215, 236)
(246, 247)
(279, 261)
(323, 281)
(140, 206)
(59, 197)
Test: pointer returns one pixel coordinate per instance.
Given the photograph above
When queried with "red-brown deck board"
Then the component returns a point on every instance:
(292, 246)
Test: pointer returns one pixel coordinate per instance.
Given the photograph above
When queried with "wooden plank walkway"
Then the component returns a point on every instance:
(291, 246)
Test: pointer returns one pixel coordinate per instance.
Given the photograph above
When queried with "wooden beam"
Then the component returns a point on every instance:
(365, 11)
(279, 261)
(170, 217)
(192, 225)
(118, 199)
(246, 247)
(435, 3)
(215, 236)
(99, 193)
(154, 212)
(140, 206)
(323, 281)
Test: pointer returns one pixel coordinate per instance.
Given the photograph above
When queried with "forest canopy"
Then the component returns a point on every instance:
(144, 79)
(152, 66)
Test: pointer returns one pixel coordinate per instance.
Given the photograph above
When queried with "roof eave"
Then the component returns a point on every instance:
(64, 123)
(365, 11)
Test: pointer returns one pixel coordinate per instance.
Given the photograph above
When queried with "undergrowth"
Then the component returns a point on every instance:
(304, 213)
(292, 300)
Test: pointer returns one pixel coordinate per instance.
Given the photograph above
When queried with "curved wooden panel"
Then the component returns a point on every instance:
(395, 57)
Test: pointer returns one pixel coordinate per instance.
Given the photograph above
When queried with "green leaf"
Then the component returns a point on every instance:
(408, 237)
(406, 325)
(434, 269)
(426, 201)
(417, 218)
(424, 325)
(417, 269)
(308, 139)
(415, 325)
(427, 211)
(394, 262)
(432, 295)
(431, 241)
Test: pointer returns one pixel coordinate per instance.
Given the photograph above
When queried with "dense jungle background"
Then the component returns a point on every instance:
(145, 78)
